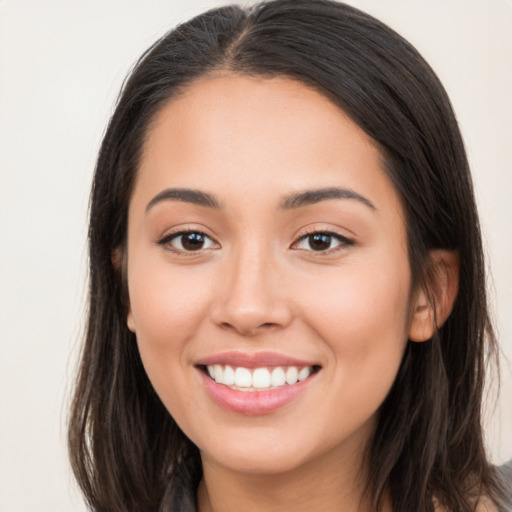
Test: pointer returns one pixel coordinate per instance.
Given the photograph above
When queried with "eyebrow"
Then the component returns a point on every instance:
(290, 202)
(309, 197)
(186, 195)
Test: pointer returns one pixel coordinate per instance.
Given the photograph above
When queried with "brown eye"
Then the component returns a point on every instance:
(187, 241)
(322, 242)
(192, 241)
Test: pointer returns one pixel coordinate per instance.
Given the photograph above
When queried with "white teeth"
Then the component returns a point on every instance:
(245, 379)
(304, 373)
(229, 376)
(261, 378)
(278, 378)
(217, 373)
(292, 375)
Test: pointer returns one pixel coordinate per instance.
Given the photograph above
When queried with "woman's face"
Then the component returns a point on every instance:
(266, 245)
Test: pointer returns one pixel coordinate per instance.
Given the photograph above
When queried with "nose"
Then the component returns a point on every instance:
(251, 296)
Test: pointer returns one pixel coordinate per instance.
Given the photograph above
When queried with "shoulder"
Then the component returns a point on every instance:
(507, 470)
(503, 476)
(506, 476)
(484, 505)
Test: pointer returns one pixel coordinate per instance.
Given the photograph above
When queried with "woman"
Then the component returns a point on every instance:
(287, 302)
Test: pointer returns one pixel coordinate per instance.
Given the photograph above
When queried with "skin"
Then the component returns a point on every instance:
(257, 285)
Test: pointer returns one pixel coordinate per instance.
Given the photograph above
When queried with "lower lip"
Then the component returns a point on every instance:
(253, 402)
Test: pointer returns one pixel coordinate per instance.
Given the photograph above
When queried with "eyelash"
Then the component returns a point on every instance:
(167, 240)
(343, 241)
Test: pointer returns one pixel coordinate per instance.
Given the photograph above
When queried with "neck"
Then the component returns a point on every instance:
(333, 482)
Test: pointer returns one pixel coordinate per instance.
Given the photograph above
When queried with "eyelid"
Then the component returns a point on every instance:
(344, 240)
(165, 241)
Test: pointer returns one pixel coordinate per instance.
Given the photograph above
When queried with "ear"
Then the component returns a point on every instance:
(431, 308)
(118, 258)
(129, 319)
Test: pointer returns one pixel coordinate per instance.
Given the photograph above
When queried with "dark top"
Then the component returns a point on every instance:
(506, 471)
(183, 497)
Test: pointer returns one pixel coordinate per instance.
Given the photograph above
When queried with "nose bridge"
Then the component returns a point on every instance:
(252, 297)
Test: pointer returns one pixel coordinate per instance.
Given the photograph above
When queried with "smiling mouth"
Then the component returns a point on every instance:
(258, 379)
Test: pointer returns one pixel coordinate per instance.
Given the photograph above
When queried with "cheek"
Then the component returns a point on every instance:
(361, 299)
(363, 316)
(363, 319)
(167, 309)
(166, 302)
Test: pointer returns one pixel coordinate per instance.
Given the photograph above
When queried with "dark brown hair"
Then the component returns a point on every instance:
(127, 452)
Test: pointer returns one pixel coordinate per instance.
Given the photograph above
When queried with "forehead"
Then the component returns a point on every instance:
(255, 136)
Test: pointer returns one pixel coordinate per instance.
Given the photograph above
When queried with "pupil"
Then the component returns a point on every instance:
(192, 241)
(319, 241)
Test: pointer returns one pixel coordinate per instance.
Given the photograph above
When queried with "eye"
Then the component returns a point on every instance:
(322, 242)
(188, 241)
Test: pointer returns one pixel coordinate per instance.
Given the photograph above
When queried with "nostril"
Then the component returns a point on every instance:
(249, 330)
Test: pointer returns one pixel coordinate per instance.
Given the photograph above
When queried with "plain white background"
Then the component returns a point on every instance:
(61, 66)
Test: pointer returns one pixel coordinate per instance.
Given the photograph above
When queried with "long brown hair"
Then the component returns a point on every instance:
(126, 450)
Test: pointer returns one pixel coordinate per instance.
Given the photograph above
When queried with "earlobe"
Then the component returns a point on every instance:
(117, 259)
(423, 325)
(431, 309)
(119, 262)
(129, 320)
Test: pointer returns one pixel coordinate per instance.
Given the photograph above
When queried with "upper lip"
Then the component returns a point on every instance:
(254, 360)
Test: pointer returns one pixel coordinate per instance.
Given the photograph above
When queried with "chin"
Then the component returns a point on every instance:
(255, 462)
